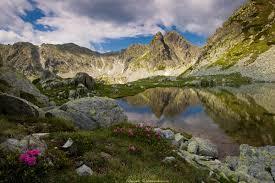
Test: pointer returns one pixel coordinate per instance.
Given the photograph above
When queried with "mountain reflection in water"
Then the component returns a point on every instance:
(227, 116)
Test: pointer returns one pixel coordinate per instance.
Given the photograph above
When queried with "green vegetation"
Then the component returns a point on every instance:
(258, 37)
(115, 155)
(15, 127)
(240, 51)
(53, 93)
(133, 88)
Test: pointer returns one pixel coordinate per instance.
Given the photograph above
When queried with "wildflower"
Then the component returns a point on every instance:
(30, 157)
(34, 152)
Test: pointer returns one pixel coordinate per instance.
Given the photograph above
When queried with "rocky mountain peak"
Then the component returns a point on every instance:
(157, 40)
(160, 48)
(176, 39)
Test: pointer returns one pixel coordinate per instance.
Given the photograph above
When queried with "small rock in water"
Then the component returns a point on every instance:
(169, 159)
(68, 144)
(84, 170)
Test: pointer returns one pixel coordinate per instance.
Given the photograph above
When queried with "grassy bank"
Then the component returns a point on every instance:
(119, 153)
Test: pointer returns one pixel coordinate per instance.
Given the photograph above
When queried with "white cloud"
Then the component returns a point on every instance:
(84, 22)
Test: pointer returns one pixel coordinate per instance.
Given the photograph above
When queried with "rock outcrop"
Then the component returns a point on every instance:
(16, 84)
(245, 44)
(202, 147)
(85, 79)
(90, 113)
(14, 106)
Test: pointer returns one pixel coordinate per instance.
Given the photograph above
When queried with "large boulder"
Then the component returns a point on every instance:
(255, 161)
(90, 113)
(16, 84)
(202, 147)
(14, 106)
(85, 79)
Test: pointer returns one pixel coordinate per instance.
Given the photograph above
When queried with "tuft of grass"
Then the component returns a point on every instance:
(17, 127)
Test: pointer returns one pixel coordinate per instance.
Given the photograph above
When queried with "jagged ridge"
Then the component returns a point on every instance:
(164, 52)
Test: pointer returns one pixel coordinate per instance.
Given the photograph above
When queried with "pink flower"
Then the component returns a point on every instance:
(30, 157)
(22, 157)
(30, 160)
(34, 152)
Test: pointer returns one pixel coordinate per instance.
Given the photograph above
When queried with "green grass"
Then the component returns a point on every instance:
(240, 51)
(121, 164)
(254, 25)
(17, 127)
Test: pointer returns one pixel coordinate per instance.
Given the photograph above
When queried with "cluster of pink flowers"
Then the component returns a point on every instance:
(30, 157)
(140, 131)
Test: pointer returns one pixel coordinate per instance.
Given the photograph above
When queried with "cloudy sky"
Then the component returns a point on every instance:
(108, 25)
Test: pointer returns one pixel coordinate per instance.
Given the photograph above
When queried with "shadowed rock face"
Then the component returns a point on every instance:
(16, 84)
(138, 61)
(14, 106)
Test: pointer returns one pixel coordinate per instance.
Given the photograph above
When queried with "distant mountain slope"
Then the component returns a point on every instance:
(245, 43)
(169, 54)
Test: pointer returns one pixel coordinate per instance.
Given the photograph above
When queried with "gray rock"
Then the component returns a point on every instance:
(57, 113)
(168, 134)
(184, 145)
(232, 162)
(85, 79)
(84, 170)
(32, 142)
(180, 138)
(90, 113)
(14, 106)
(11, 145)
(16, 84)
(28, 142)
(202, 147)
(256, 162)
(169, 159)
(72, 94)
(68, 143)
(40, 135)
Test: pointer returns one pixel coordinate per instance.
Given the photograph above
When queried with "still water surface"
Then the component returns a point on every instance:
(227, 116)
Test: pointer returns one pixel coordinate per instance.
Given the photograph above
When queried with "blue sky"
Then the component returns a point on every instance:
(107, 25)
